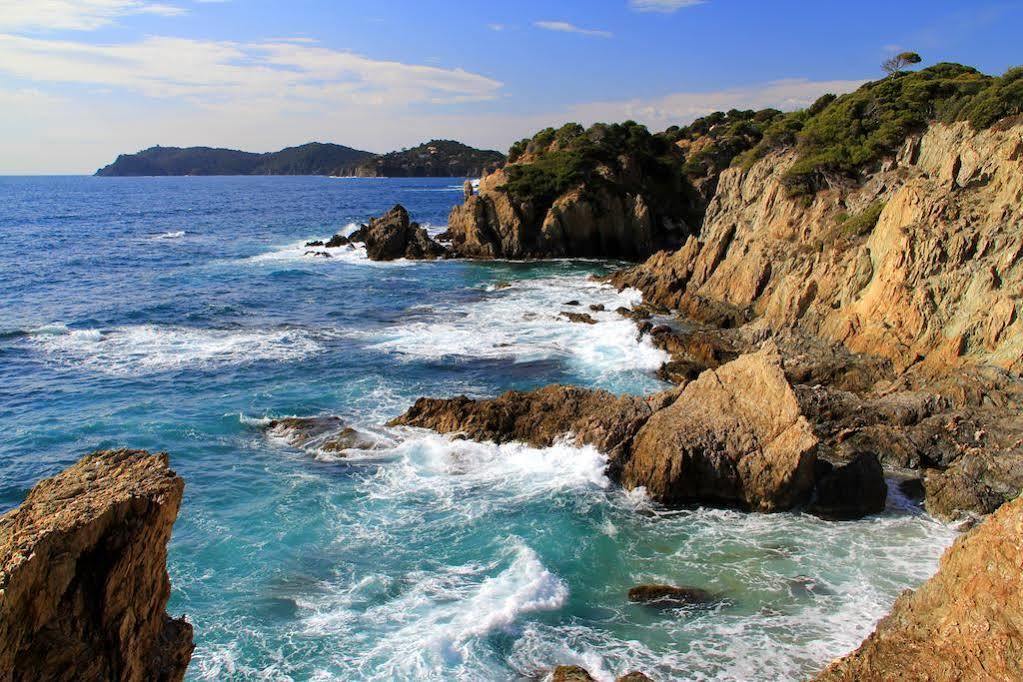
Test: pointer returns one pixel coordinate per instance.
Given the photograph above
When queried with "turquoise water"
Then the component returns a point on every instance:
(179, 314)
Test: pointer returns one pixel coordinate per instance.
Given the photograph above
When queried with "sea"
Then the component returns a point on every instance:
(182, 314)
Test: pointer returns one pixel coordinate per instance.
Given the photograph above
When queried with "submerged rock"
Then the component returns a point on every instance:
(323, 434)
(962, 624)
(735, 436)
(83, 576)
(669, 595)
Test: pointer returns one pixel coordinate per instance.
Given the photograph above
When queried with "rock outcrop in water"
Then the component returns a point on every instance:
(736, 436)
(393, 236)
(539, 418)
(965, 623)
(83, 577)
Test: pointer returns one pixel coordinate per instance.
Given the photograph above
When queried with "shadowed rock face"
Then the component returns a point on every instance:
(83, 577)
(965, 623)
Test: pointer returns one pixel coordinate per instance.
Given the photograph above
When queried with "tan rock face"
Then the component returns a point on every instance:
(965, 623)
(734, 436)
(939, 276)
(83, 577)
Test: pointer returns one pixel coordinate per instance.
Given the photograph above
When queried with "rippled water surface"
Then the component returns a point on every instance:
(179, 314)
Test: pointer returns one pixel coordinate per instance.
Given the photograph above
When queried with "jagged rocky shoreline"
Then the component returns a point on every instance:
(828, 327)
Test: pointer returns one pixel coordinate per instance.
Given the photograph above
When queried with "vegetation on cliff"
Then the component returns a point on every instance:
(433, 159)
(315, 158)
(842, 137)
(624, 157)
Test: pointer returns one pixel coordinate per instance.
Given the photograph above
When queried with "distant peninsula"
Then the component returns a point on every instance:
(433, 159)
(315, 158)
(437, 158)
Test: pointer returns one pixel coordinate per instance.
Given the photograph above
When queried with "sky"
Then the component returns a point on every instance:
(84, 80)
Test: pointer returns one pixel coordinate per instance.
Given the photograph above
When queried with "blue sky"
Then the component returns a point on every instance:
(82, 80)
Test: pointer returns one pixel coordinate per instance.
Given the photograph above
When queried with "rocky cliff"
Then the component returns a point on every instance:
(922, 260)
(965, 623)
(610, 191)
(83, 577)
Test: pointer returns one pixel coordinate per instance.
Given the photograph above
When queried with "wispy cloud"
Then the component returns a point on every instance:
(565, 27)
(497, 27)
(75, 15)
(291, 74)
(665, 6)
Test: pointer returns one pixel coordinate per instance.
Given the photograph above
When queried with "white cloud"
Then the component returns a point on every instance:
(290, 74)
(665, 6)
(497, 27)
(78, 15)
(565, 27)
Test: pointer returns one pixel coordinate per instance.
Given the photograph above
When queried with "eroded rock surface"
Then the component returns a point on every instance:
(83, 576)
(939, 276)
(965, 623)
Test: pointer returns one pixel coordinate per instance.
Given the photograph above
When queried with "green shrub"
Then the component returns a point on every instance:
(862, 223)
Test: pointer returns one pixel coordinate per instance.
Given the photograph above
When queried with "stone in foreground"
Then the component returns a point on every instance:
(83, 575)
(965, 623)
(734, 437)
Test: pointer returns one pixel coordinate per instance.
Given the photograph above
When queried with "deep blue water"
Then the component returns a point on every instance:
(177, 314)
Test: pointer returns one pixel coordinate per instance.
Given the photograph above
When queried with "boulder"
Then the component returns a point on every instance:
(734, 437)
(83, 575)
(851, 490)
(393, 236)
(335, 241)
(965, 623)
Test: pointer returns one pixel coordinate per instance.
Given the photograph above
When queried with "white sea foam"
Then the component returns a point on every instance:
(523, 323)
(442, 472)
(152, 348)
(347, 253)
(439, 621)
(171, 235)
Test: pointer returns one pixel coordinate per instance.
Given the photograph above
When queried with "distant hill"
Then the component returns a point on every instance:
(314, 158)
(436, 158)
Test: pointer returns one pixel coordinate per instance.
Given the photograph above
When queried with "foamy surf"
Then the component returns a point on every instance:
(153, 348)
(523, 322)
(438, 623)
